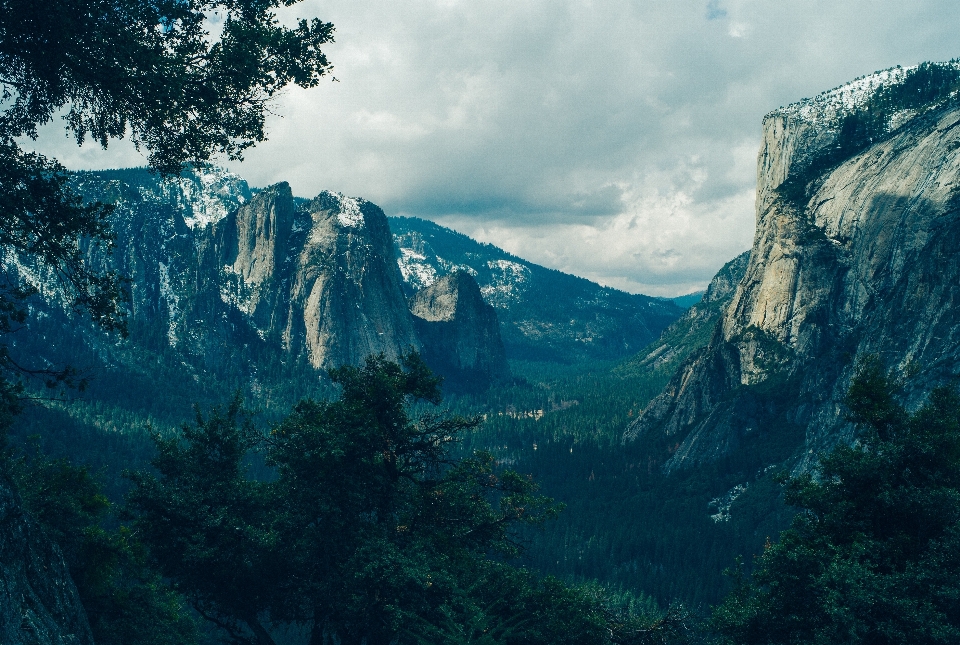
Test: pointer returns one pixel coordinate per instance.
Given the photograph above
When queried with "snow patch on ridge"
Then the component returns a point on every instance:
(507, 284)
(203, 196)
(349, 214)
(173, 303)
(830, 106)
(415, 270)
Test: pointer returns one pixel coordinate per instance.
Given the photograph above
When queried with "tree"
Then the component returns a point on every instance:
(370, 531)
(125, 600)
(208, 525)
(874, 554)
(184, 79)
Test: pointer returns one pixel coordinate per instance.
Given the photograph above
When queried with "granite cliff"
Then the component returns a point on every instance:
(225, 280)
(855, 254)
(460, 332)
(320, 280)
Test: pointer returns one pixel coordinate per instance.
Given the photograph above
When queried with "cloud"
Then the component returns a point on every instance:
(614, 140)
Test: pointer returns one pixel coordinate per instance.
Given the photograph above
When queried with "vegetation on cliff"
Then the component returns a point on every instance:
(872, 554)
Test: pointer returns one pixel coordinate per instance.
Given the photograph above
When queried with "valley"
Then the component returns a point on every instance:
(668, 433)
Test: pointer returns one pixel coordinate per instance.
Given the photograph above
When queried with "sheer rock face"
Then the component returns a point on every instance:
(345, 296)
(459, 331)
(260, 275)
(867, 262)
(321, 281)
(38, 600)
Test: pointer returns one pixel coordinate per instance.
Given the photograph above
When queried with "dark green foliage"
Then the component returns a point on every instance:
(625, 523)
(206, 523)
(125, 600)
(151, 70)
(44, 226)
(872, 556)
(368, 529)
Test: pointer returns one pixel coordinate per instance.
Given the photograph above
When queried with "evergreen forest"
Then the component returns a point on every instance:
(194, 500)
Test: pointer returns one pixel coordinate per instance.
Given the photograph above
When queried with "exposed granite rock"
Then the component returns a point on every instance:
(545, 315)
(693, 329)
(863, 262)
(346, 299)
(316, 280)
(253, 243)
(459, 331)
(39, 604)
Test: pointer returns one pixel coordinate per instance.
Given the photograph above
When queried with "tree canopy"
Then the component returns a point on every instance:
(370, 530)
(874, 554)
(185, 79)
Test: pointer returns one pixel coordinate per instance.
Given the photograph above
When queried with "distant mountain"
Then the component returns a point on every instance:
(688, 300)
(233, 289)
(545, 315)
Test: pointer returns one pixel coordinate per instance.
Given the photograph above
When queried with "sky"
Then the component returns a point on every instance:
(614, 140)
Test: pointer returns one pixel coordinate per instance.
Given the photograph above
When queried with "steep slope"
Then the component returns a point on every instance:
(317, 281)
(38, 600)
(460, 332)
(855, 254)
(545, 315)
(320, 280)
(693, 329)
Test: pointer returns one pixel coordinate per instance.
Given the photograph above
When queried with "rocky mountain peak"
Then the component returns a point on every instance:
(545, 315)
(346, 278)
(442, 300)
(805, 138)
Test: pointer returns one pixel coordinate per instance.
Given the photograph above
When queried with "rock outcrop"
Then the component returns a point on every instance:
(39, 604)
(459, 331)
(854, 255)
(345, 294)
(320, 280)
(693, 329)
(316, 280)
(232, 280)
(545, 315)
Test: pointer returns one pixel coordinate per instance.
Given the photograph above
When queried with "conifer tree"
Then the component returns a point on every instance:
(874, 554)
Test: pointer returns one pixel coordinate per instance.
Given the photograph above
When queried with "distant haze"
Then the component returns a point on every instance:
(614, 140)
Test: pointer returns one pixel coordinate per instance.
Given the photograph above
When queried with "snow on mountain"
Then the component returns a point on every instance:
(545, 315)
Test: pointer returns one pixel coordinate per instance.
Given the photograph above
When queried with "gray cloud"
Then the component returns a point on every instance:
(615, 139)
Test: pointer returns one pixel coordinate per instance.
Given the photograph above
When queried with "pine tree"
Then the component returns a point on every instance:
(874, 554)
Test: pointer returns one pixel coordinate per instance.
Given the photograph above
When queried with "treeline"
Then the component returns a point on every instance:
(355, 519)
(927, 87)
(365, 528)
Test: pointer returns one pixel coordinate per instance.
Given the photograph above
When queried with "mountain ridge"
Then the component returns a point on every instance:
(545, 314)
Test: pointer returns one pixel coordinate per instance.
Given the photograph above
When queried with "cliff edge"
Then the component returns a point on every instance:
(856, 253)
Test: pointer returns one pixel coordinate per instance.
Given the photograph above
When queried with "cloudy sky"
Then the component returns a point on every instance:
(612, 139)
